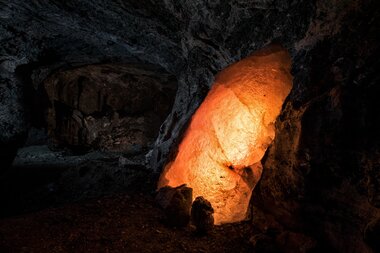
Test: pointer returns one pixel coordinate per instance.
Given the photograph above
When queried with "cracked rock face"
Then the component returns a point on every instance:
(321, 174)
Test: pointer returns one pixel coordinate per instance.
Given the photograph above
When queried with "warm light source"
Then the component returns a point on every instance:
(219, 156)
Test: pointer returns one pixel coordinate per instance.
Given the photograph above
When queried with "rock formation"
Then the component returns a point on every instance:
(176, 203)
(202, 215)
(109, 107)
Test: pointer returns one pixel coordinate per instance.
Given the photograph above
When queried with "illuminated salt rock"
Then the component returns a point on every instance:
(219, 156)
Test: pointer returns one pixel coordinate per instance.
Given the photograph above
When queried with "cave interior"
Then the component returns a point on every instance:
(189, 126)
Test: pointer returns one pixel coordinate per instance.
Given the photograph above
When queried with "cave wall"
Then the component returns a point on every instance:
(110, 107)
(322, 170)
(189, 39)
(323, 167)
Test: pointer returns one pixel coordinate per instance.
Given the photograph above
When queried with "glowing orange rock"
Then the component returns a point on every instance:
(219, 156)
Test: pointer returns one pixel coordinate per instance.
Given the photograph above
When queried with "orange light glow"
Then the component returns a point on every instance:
(219, 156)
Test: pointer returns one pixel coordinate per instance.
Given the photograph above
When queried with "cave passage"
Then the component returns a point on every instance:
(220, 153)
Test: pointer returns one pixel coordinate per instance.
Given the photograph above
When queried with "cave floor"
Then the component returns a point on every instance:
(96, 205)
(121, 223)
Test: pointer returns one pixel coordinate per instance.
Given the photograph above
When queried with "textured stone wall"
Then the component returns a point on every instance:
(117, 108)
(321, 174)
